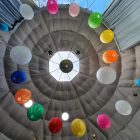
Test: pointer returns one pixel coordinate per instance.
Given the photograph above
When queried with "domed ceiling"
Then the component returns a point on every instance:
(83, 96)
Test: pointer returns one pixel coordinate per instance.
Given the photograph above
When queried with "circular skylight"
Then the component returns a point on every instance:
(64, 66)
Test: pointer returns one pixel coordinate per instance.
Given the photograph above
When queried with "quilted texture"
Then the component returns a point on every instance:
(83, 97)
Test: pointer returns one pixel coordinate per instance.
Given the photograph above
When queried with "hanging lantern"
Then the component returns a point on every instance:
(18, 77)
(110, 56)
(103, 121)
(4, 27)
(35, 112)
(137, 82)
(52, 7)
(107, 36)
(74, 9)
(95, 20)
(55, 125)
(20, 55)
(22, 96)
(78, 127)
(28, 104)
(26, 11)
(106, 75)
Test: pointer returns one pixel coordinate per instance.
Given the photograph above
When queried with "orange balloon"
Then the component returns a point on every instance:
(110, 56)
(22, 96)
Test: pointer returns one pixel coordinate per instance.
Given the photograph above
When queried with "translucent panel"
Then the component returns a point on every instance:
(93, 5)
(53, 66)
(72, 57)
(76, 66)
(56, 74)
(64, 54)
(56, 58)
(64, 77)
(72, 74)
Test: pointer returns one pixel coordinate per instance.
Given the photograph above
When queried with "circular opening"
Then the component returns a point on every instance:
(66, 66)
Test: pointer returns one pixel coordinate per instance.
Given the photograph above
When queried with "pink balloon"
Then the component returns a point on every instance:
(74, 9)
(52, 6)
(103, 121)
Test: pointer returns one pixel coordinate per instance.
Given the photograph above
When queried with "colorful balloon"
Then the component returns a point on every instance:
(26, 11)
(74, 9)
(55, 125)
(35, 112)
(52, 7)
(106, 75)
(95, 20)
(123, 107)
(110, 56)
(23, 96)
(107, 36)
(78, 127)
(103, 121)
(137, 82)
(20, 55)
(4, 27)
(18, 77)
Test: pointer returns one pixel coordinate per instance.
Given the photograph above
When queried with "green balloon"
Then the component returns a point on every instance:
(95, 20)
(35, 112)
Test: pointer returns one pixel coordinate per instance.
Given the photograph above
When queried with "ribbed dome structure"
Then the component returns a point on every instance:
(83, 97)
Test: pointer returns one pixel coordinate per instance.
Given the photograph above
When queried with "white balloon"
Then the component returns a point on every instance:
(20, 55)
(106, 75)
(123, 107)
(26, 11)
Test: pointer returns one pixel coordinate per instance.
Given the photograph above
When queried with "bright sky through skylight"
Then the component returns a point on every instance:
(93, 5)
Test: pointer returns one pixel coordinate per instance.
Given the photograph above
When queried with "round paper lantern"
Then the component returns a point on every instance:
(55, 125)
(20, 55)
(95, 20)
(26, 11)
(65, 116)
(123, 107)
(18, 77)
(137, 82)
(107, 36)
(22, 96)
(4, 27)
(103, 121)
(52, 6)
(74, 9)
(78, 127)
(35, 112)
(106, 75)
(28, 104)
(110, 56)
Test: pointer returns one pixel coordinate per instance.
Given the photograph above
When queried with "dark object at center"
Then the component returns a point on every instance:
(66, 66)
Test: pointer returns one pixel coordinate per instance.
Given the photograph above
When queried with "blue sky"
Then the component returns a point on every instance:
(93, 5)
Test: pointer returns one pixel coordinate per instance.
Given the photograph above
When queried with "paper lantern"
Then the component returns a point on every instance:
(4, 27)
(55, 125)
(95, 20)
(78, 127)
(123, 107)
(28, 104)
(110, 56)
(74, 9)
(106, 75)
(22, 96)
(20, 55)
(137, 82)
(35, 112)
(65, 116)
(18, 77)
(52, 7)
(26, 11)
(107, 36)
(103, 121)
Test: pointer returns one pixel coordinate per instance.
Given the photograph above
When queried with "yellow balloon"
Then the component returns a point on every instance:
(107, 36)
(78, 127)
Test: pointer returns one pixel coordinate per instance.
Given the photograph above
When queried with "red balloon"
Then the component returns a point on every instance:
(52, 7)
(55, 125)
(103, 121)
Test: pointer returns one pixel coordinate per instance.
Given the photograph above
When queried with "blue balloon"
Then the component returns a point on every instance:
(4, 27)
(18, 77)
(137, 82)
